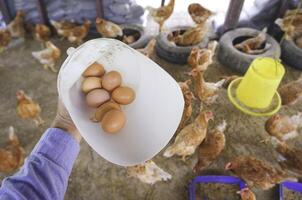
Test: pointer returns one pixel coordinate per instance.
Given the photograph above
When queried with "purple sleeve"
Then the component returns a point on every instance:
(45, 172)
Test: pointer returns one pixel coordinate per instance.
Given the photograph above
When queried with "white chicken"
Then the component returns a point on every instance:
(48, 56)
(190, 137)
(148, 172)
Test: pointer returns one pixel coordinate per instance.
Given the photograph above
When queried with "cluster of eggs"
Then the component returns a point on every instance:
(104, 91)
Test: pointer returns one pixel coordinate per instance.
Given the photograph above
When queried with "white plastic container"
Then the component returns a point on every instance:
(152, 118)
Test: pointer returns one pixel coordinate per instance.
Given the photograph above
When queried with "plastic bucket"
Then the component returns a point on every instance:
(152, 118)
(260, 83)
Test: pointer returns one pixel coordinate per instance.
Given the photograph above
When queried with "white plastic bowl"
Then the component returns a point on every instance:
(152, 118)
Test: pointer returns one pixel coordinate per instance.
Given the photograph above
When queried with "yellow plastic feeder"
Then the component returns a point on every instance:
(256, 93)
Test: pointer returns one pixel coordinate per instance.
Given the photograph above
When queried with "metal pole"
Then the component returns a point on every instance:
(162, 2)
(5, 11)
(233, 14)
(43, 12)
(99, 8)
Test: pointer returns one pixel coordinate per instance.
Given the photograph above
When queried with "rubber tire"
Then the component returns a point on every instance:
(236, 60)
(291, 54)
(144, 38)
(172, 53)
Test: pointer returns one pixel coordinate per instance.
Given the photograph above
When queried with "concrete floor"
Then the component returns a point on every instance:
(93, 177)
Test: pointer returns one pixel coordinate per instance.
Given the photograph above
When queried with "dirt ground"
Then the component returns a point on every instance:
(93, 177)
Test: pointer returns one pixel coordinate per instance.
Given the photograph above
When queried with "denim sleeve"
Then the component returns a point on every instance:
(46, 170)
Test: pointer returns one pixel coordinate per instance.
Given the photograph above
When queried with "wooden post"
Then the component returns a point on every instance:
(5, 11)
(99, 8)
(233, 15)
(43, 12)
(162, 2)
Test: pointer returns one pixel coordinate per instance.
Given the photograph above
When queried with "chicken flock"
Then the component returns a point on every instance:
(191, 137)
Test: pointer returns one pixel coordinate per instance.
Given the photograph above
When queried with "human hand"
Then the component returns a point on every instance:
(63, 121)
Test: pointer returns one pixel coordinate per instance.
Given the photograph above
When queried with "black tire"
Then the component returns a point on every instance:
(291, 54)
(231, 57)
(142, 40)
(172, 53)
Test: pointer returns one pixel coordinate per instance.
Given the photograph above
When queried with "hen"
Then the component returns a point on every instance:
(16, 27)
(161, 14)
(11, 156)
(108, 29)
(188, 97)
(207, 92)
(27, 108)
(299, 42)
(190, 137)
(191, 36)
(228, 80)
(283, 127)
(200, 59)
(128, 39)
(291, 23)
(49, 56)
(148, 173)
(63, 27)
(291, 92)
(247, 194)
(199, 14)
(211, 148)
(149, 49)
(289, 158)
(78, 33)
(256, 172)
(42, 33)
(5, 38)
(253, 45)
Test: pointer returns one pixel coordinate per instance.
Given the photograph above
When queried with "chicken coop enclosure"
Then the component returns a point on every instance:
(205, 48)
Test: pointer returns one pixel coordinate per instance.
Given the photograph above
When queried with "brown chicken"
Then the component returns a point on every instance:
(78, 33)
(149, 49)
(5, 38)
(16, 27)
(188, 97)
(200, 59)
(63, 27)
(247, 194)
(206, 92)
(228, 80)
(27, 108)
(11, 156)
(190, 137)
(211, 148)
(108, 29)
(256, 173)
(42, 33)
(148, 172)
(291, 23)
(291, 93)
(128, 39)
(283, 127)
(49, 56)
(299, 42)
(191, 36)
(161, 14)
(199, 14)
(253, 45)
(289, 158)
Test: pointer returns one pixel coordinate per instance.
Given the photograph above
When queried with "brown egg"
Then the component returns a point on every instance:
(123, 95)
(97, 97)
(111, 80)
(113, 121)
(103, 109)
(91, 83)
(95, 69)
